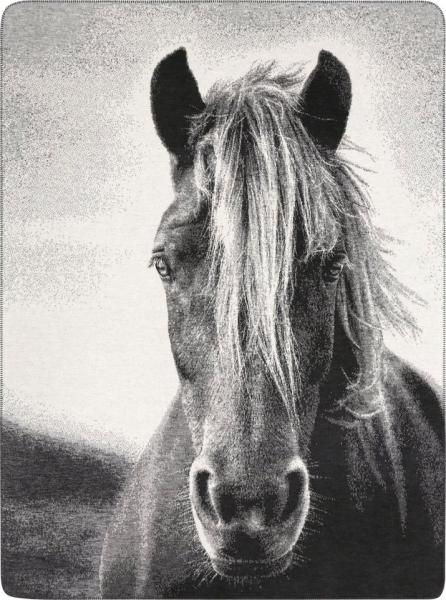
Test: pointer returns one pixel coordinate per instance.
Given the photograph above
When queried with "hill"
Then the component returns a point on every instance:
(57, 499)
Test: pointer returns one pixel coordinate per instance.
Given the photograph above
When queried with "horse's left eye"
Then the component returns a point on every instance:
(333, 269)
(162, 267)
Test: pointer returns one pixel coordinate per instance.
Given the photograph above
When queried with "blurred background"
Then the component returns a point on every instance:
(86, 351)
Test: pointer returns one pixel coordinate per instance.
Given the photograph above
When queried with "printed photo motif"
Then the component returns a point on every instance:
(222, 304)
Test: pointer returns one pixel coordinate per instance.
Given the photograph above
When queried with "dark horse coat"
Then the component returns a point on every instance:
(299, 458)
(358, 548)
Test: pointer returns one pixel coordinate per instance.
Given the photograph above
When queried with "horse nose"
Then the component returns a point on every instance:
(249, 505)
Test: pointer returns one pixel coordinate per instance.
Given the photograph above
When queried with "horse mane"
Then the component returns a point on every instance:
(273, 195)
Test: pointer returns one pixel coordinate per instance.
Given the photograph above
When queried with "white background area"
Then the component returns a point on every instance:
(86, 180)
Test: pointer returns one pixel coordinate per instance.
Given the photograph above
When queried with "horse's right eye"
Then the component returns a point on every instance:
(162, 267)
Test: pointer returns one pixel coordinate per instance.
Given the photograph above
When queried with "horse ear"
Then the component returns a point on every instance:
(325, 101)
(175, 98)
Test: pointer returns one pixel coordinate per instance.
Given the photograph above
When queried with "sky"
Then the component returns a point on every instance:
(86, 351)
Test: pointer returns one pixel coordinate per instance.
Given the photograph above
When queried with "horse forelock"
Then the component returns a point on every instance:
(273, 199)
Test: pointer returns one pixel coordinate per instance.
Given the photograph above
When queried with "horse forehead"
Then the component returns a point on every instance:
(186, 205)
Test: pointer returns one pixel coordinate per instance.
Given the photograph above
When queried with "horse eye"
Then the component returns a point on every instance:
(333, 269)
(162, 267)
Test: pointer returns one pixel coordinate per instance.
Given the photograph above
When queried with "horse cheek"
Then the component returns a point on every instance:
(313, 324)
(322, 339)
(191, 335)
(322, 353)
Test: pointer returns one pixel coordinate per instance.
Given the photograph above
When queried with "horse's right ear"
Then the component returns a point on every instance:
(175, 98)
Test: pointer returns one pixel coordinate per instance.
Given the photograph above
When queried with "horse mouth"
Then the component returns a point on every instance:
(251, 568)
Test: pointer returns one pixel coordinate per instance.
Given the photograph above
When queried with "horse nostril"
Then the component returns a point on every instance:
(255, 506)
(225, 507)
(211, 501)
(271, 504)
(296, 488)
(201, 492)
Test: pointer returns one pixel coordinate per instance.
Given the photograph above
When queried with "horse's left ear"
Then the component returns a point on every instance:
(325, 101)
(175, 98)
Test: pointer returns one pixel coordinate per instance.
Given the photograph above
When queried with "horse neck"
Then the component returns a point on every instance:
(362, 452)
(358, 460)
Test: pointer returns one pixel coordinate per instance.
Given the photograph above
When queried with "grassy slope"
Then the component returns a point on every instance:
(57, 499)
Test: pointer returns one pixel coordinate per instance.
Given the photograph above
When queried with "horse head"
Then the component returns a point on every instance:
(251, 254)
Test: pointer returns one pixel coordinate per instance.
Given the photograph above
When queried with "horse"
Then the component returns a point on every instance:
(300, 457)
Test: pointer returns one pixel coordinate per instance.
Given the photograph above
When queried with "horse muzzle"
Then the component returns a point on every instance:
(249, 525)
(252, 568)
